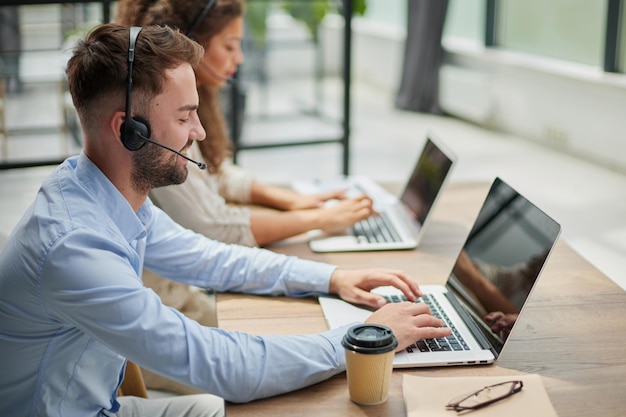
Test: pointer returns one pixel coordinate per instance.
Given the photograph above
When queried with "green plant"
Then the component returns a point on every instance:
(309, 12)
(312, 13)
(256, 19)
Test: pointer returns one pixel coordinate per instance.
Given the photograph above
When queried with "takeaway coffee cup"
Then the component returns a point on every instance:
(369, 361)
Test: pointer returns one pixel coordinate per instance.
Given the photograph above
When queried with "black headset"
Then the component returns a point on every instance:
(134, 129)
(205, 10)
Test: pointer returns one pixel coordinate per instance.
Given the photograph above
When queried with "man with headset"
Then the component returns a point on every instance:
(72, 305)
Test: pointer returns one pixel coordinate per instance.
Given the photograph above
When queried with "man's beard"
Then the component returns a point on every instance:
(150, 170)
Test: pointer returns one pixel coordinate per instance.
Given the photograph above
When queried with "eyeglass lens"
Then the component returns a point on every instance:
(485, 396)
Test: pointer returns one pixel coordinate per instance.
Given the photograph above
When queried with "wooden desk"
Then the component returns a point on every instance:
(572, 333)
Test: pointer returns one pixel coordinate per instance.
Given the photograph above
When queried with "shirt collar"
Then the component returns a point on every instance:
(132, 225)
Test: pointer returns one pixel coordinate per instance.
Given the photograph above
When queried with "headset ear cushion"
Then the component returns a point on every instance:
(133, 131)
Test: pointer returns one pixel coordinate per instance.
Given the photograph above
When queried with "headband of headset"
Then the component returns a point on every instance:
(205, 10)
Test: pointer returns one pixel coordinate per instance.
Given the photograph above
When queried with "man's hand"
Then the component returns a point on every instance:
(409, 322)
(354, 285)
(501, 323)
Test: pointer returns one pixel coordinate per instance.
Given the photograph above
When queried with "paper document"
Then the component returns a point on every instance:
(427, 396)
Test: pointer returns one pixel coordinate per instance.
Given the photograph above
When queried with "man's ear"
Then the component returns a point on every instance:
(118, 119)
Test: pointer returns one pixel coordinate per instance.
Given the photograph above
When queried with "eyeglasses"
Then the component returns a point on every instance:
(485, 396)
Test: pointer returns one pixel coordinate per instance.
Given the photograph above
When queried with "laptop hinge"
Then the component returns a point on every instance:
(469, 321)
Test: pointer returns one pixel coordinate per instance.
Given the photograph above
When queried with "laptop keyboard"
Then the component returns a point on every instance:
(376, 229)
(453, 342)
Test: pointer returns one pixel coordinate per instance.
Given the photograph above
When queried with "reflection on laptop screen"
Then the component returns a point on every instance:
(426, 181)
(501, 260)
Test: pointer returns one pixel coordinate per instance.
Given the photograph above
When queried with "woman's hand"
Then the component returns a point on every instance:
(308, 201)
(286, 199)
(346, 213)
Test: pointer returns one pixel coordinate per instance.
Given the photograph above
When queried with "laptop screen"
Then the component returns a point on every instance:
(427, 179)
(501, 261)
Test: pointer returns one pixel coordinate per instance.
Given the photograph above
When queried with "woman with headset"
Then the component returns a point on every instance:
(203, 202)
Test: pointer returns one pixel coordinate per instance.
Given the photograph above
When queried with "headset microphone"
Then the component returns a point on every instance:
(200, 165)
(135, 131)
(231, 81)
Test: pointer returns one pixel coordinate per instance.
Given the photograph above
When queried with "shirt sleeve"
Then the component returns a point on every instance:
(234, 183)
(182, 255)
(111, 304)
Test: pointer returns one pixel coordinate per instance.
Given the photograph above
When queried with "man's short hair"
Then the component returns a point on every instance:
(98, 68)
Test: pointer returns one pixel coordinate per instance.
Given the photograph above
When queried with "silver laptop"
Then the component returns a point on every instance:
(403, 219)
(487, 288)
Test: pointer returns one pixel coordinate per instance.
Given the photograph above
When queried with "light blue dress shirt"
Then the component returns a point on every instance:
(73, 307)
